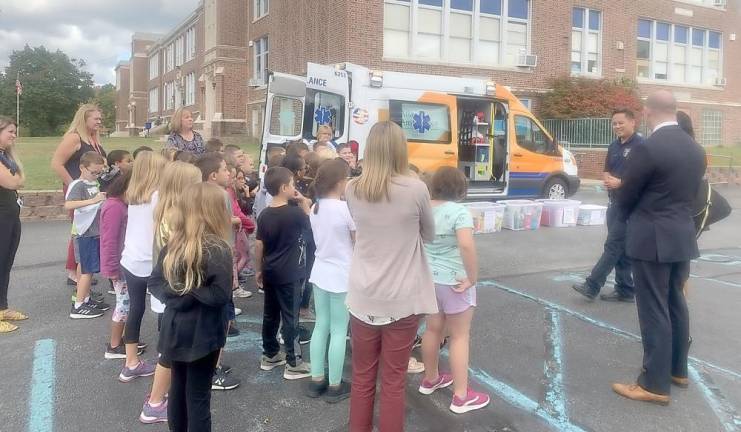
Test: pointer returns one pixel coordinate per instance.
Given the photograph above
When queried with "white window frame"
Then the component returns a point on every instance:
(154, 65)
(714, 117)
(190, 44)
(260, 9)
(261, 50)
(154, 100)
(504, 21)
(673, 45)
(527, 103)
(584, 52)
(170, 57)
(190, 89)
(179, 50)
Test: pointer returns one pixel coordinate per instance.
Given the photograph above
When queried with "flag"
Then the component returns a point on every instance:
(18, 87)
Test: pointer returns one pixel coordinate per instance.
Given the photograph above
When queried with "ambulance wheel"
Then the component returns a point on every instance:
(556, 188)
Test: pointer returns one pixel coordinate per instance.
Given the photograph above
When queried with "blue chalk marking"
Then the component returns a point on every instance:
(246, 341)
(722, 282)
(249, 319)
(555, 397)
(600, 324)
(41, 402)
(727, 415)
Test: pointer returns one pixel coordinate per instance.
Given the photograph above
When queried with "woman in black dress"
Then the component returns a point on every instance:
(11, 179)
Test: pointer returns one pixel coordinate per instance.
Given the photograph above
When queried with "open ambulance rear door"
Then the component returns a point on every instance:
(327, 101)
(284, 113)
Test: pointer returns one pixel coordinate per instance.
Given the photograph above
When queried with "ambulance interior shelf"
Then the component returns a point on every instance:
(475, 139)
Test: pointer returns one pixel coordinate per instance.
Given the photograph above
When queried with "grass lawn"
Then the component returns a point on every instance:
(36, 153)
(723, 153)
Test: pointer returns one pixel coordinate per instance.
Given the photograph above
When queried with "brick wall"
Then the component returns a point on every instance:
(591, 162)
(43, 205)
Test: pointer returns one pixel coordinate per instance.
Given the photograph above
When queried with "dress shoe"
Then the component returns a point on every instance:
(584, 290)
(617, 297)
(638, 393)
(681, 382)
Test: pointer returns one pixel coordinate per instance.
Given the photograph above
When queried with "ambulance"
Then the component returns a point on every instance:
(473, 124)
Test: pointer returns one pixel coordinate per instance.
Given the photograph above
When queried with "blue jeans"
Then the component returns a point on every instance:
(613, 257)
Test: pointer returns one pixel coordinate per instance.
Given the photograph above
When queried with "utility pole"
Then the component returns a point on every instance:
(18, 91)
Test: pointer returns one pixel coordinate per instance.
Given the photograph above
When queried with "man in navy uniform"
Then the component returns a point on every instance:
(624, 126)
(659, 185)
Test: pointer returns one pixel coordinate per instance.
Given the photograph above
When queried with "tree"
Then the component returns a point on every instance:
(54, 86)
(105, 98)
(588, 98)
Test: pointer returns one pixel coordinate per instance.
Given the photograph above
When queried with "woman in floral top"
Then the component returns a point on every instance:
(182, 136)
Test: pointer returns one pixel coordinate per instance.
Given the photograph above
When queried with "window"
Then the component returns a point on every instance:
(422, 122)
(286, 116)
(154, 66)
(489, 32)
(260, 64)
(530, 136)
(190, 44)
(256, 123)
(190, 89)
(170, 95)
(528, 103)
(179, 51)
(711, 127)
(677, 53)
(323, 108)
(154, 100)
(586, 41)
(260, 9)
(170, 58)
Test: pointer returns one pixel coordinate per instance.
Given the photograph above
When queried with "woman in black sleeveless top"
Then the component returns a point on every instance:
(11, 179)
(81, 138)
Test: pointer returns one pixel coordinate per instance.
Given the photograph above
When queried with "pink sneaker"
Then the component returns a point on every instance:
(472, 401)
(443, 380)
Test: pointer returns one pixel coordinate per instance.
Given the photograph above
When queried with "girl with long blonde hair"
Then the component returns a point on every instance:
(390, 284)
(136, 258)
(82, 136)
(11, 179)
(193, 277)
(182, 136)
(175, 179)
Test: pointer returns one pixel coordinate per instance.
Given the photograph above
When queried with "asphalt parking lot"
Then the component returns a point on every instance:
(546, 356)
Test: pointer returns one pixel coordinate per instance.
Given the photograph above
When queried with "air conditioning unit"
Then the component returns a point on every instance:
(719, 3)
(527, 60)
(721, 82)
(255, 82)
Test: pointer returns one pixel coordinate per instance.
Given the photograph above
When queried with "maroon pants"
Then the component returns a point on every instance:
(390, 347)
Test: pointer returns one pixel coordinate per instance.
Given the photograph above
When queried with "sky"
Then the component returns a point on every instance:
(97, 31)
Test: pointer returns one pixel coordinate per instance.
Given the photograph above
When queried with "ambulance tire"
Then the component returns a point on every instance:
(556, 188)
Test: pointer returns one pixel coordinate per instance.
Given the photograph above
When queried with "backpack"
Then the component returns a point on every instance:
(708, 208)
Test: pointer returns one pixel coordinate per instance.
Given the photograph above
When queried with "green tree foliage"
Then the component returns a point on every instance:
(588, 98)
(105, 98)
(54, 86)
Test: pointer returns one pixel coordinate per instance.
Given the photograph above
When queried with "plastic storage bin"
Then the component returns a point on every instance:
(559, 213)
(487, 217)
(522, 215)
(591, 214)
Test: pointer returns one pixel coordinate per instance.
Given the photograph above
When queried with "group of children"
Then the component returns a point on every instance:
(180, 227)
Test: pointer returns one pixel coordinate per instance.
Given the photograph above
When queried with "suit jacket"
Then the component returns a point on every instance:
(661, 181)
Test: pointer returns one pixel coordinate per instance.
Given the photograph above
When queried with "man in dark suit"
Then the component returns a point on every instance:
(659, 185)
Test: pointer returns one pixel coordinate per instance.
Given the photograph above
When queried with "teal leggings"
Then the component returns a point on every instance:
(332, 318)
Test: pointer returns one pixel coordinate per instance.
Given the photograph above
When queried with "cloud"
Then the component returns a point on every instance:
(97, 31)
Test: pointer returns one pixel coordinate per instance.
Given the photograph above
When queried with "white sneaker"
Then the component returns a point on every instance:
(237, 311)
(242, 293)
(414, 366)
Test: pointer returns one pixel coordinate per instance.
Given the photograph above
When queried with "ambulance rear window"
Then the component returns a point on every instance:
(422, 122)
(323, 108)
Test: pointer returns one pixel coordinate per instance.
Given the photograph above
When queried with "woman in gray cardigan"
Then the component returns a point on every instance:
(390, 286)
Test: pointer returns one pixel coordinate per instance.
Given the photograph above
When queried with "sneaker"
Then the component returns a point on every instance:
(414, 366)
(224, 368)
(119, 352)
(237, 311)
(222, 381)
(151, 414)
(233, 331)
(241, 293)
(85, 311)
(316, 389)
(260, 291)
(142, 345)
(280, 339)
(110, 288)
(337, 394)
(304, 335)
(585, 290)
(443, 380)
(472, 401)
(301, 370)
(143, 369)
(98, 304)
(270, 363)
(417, 342)
(71, 282)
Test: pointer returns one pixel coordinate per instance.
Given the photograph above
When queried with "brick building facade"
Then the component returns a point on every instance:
(687, 46)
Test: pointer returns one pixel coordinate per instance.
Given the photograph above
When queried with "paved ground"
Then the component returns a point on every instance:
(546, 356)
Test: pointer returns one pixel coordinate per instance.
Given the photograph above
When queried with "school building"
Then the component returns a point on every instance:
(216, 61)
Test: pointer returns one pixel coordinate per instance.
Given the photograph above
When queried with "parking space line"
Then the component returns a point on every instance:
(41, 402)
(727, 415)
(555, 397)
